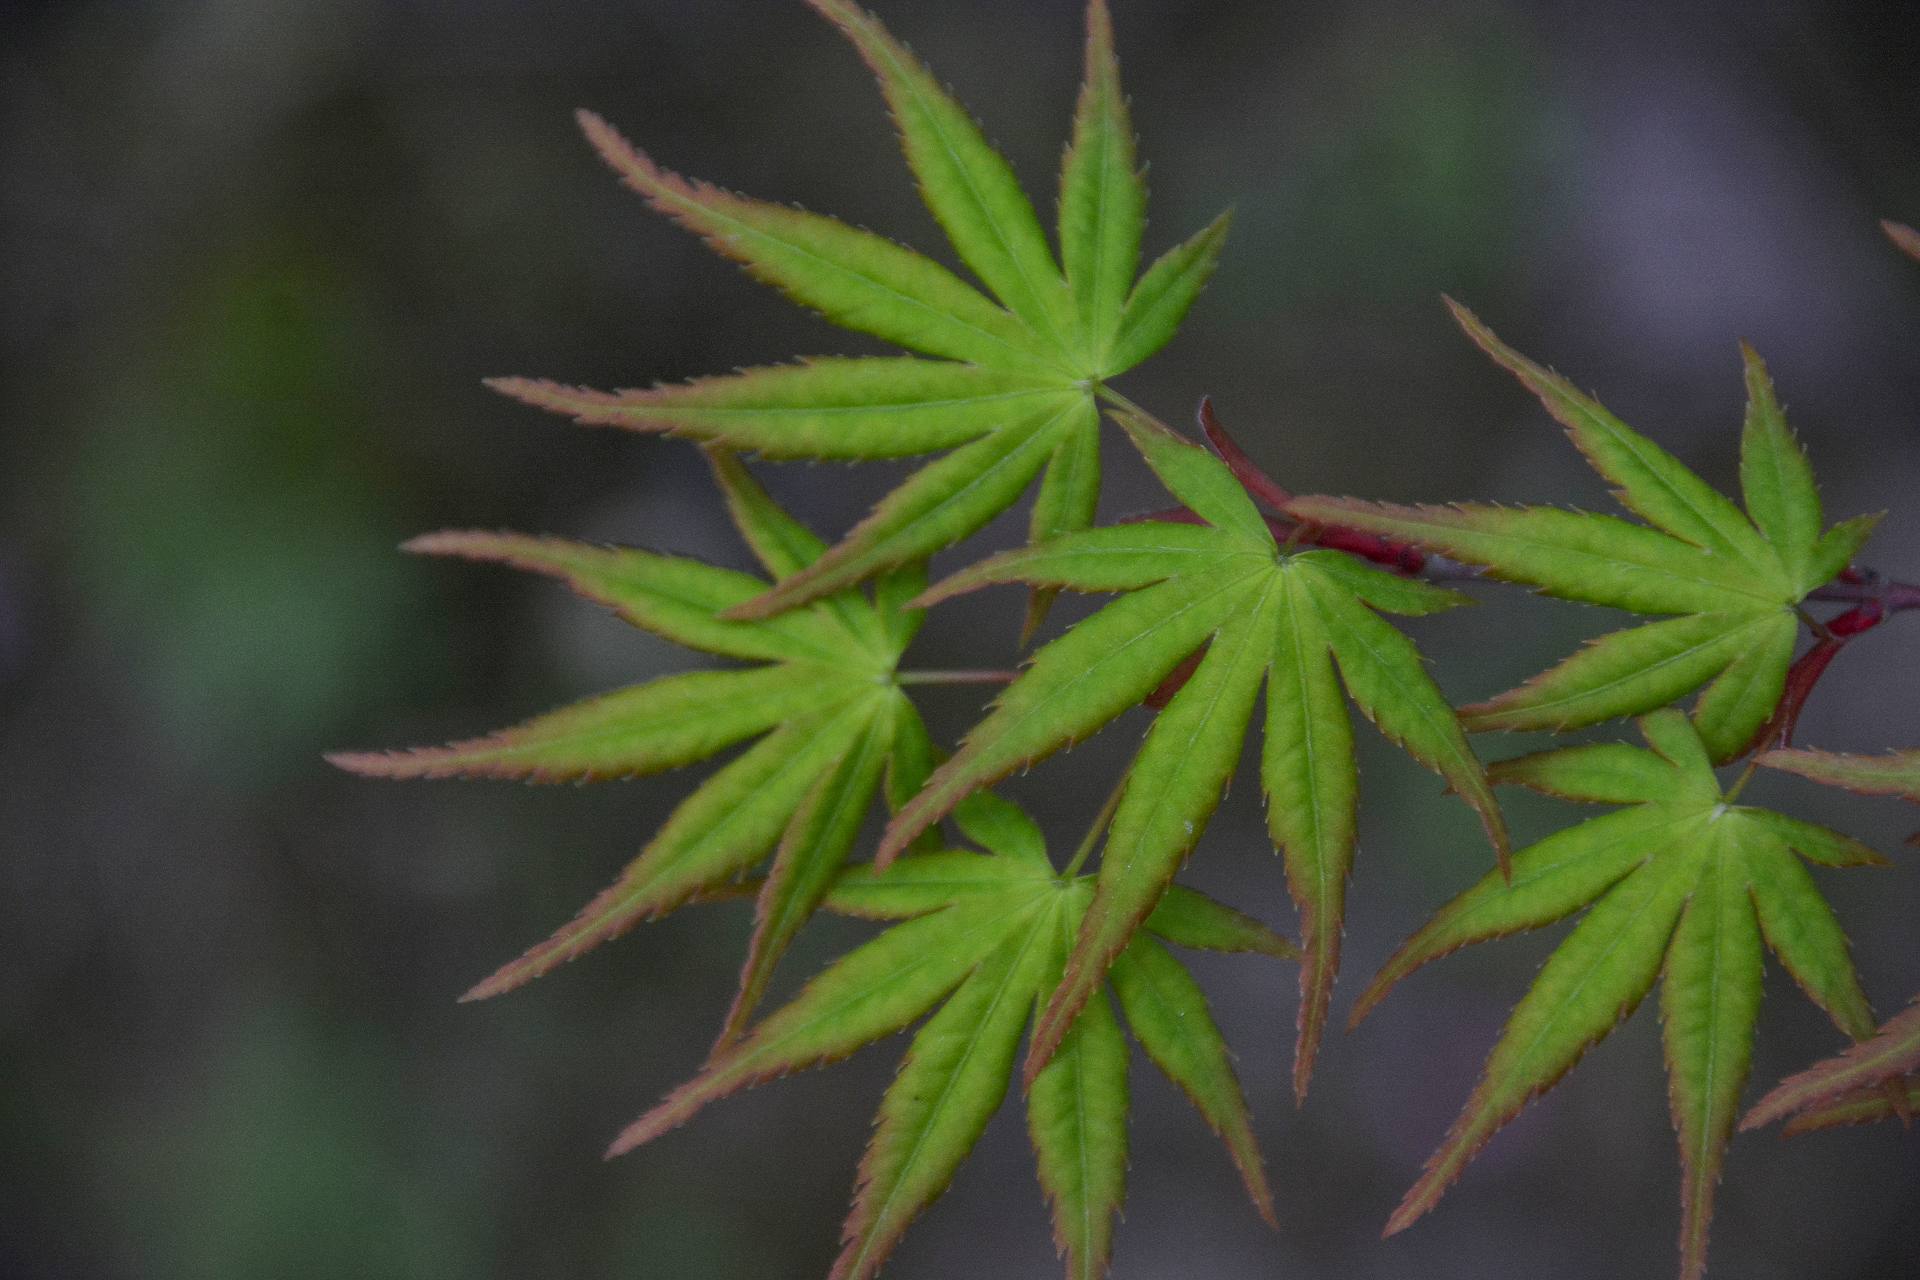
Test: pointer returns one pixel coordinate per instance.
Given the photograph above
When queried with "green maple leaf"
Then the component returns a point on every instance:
(1682, 884)
(1879, 1077)
(1731, 583)
(832, 722)
(1260, 612)
(982, 938)
(1010, 388)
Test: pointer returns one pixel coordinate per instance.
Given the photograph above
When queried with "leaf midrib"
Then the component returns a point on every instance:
(1595, 691)
(1658, 571)
(1408, 696)
(1551, 1022)
(746, 229)
(845, 778)
(1132, 642)
(929, 955)
(1324, 939)
(624, 903)
(786, 639)
(1632, 443)
(656, 733)
(1099, 326)
(1703, 1136)
(881, 406)
(1012, 980)
(1531, 877)
(1247, 616)
(903, 76)
(1023, 437)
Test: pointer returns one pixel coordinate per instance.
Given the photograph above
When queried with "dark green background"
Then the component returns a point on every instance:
(259, 253)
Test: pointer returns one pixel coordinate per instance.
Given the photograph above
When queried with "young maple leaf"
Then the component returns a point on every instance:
(1879, 1077)
(836, 724)
(1732, 583)
(1260, 612)
(1011, 388)
(983, 936)
(1683, 883)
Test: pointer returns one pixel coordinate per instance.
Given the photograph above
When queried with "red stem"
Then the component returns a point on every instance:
(1400, 557)
(1262, 486)
(1874, 599)
(1805, 673)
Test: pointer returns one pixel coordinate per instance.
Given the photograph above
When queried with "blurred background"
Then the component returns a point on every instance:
(259, 254)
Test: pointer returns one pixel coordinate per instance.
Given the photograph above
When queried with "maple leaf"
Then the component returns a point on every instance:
(1732, 583)
(1010, 388)
(981, 938)
(832, 721)
(1684, 885)
(1259, 612)
(1875, 1078)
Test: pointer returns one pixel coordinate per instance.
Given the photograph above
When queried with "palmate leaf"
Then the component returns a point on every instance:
(981, 939)
(832, 726)
(1291, 621)
(1004, 385)
(1732, 580)
(1684, 886)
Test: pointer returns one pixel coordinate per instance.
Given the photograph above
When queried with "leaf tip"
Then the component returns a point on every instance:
(1040, 1050)
(1402, 1218)
(369, 764)
(1759, 1117)
(591, 121)
(508, 977)
(1316, 993)
(895, 840)
(1418, 1201)
(1039, 606)
(1369, 999)
(1068, 999)
(485, 989)
(1903, 236)
(584, 405)
(468, 544)
(516, 388)
(607, 140)
(1472, 325)
(644, 1130)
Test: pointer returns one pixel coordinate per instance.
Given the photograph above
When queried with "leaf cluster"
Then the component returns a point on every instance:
(1240, 599)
